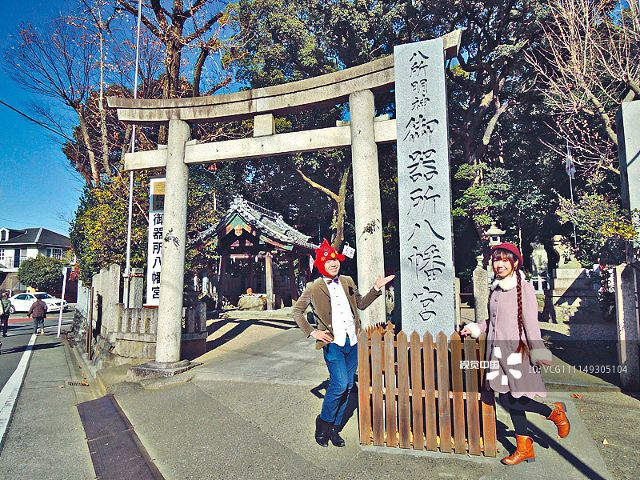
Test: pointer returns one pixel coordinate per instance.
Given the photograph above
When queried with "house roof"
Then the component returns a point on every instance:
(267, 222)
(36, 236)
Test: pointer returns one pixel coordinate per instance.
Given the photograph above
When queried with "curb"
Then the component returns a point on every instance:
(97, 382)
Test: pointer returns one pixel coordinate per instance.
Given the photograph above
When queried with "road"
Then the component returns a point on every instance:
(20, 331)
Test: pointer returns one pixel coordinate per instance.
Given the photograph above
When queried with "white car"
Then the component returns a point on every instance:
(22, 302)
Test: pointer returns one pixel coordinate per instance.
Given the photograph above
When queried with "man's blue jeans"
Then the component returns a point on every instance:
(342, 363)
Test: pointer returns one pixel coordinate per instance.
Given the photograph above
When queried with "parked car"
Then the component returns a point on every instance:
(22, 302)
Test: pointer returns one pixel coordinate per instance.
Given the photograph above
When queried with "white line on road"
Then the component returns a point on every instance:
(11, 390)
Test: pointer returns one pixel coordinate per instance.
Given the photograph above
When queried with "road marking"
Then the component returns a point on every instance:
(11, 390)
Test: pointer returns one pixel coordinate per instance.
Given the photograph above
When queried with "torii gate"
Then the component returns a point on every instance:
(362, 133)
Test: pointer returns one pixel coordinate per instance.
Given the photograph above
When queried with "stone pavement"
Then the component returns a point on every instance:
(247, 413)
(45, 438)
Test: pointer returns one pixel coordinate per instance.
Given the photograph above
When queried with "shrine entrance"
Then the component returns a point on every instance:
(420, 130)
(260, 251)
(410, 384)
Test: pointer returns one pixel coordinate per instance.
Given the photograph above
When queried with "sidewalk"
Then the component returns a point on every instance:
(248, 412)
(45, 438)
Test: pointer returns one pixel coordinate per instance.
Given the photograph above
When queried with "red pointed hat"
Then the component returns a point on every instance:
(509, 247)
(325, 253)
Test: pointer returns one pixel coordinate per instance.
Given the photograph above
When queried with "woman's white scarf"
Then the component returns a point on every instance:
(508, 283)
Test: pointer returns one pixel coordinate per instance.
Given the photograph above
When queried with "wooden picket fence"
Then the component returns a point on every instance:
(402, 385)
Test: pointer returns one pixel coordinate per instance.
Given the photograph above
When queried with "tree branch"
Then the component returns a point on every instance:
(316, 185)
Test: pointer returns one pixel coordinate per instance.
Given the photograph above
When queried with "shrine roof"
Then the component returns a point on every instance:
(266, 222)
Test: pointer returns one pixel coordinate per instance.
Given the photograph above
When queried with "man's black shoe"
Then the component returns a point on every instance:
(334, 436)
(322, 432)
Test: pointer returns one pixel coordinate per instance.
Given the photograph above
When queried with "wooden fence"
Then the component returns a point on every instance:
(402, 385)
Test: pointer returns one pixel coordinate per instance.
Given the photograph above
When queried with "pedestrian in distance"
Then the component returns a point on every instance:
(335, 302)
(38, 312)
(516, 351)
(5, 310)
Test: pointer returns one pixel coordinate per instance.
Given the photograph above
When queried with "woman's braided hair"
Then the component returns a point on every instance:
(506, 255)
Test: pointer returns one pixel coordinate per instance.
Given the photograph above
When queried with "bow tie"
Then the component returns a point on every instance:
(332, 280)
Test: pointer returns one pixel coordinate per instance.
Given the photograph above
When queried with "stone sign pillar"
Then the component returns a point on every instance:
(628, 126)
(367, 206)
(628, 122)
(627, 323)
(173, 246)
(424, 191)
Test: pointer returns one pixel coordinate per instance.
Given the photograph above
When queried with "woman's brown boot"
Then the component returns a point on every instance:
(559, 417)
(524, 451)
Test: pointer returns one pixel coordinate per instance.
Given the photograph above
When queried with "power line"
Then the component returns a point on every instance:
(36, 121)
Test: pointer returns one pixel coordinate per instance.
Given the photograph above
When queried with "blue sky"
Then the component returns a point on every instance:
(37, 187)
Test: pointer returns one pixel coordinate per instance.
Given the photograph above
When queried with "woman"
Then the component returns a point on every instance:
(515, 350)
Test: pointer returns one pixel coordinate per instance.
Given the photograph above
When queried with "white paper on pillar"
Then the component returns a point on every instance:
(424, 190)
(154, 248)
(348, 251)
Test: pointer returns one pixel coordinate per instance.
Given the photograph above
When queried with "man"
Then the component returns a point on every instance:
(5, 307)
(335, 302)
(38, 312)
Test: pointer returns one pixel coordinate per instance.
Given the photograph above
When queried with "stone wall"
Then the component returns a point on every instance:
(128, 335)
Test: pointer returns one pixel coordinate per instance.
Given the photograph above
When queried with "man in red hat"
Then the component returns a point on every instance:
(335, 302)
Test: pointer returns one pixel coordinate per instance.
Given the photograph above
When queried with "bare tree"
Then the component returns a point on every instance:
(198, 26)
(57, 64)
(588, 67)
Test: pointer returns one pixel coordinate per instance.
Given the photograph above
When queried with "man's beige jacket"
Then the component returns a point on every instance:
(317, 294)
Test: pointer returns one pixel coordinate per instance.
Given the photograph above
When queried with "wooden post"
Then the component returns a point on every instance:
(390, 390)
(268, 272)
(364, 384)
(417, 408)
(376, 389)
(429, 393)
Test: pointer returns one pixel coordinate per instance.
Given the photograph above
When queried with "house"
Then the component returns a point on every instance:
(17, 245)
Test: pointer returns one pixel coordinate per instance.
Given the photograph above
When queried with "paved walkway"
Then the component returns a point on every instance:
(45, 438)
(247, 412)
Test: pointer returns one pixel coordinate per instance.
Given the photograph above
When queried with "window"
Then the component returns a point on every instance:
(4, 235)
(1, 254)
(54, 252)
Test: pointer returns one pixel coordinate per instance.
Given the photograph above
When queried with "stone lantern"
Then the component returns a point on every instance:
(482, 274)
(494, 234)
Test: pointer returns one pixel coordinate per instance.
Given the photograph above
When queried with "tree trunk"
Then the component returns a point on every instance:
(103, 113)
(340, 198)
(197, 71)
(95, 174)
(126, 144)
(341, 210)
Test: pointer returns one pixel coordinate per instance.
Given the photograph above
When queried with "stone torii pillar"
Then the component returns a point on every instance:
(169, 334)
(355, 84)
(366, 200)
(173, 247)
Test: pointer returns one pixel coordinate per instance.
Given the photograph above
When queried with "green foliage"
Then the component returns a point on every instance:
(99, 230)
(42, 273)
(602, 227)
